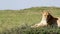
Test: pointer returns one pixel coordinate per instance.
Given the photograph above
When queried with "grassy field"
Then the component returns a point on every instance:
(19, 21)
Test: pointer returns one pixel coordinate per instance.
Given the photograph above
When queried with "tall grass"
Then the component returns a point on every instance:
(19, 21)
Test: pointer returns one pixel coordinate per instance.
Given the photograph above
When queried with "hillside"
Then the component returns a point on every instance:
(16, 18)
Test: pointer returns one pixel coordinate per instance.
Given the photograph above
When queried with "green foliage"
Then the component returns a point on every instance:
(13, 21)
(25, 29)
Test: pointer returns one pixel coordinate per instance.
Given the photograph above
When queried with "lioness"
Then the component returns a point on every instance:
(48, 19)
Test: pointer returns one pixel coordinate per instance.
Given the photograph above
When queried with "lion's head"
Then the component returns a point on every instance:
(46, 15)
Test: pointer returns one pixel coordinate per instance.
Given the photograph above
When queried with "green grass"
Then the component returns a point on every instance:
(19, 21)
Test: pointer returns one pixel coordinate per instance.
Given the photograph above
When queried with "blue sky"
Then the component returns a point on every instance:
(22, 4)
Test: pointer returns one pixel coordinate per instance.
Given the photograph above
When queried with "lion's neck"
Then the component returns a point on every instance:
(44, 21)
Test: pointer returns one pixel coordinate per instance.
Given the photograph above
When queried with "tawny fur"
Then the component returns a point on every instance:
(48, 19)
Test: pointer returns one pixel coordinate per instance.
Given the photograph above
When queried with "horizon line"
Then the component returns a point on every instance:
(32, 7)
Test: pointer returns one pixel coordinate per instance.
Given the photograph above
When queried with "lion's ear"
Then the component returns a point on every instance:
(42, 11)
(49, 11)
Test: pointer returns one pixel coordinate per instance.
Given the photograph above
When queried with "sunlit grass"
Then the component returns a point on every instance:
(11, 21)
